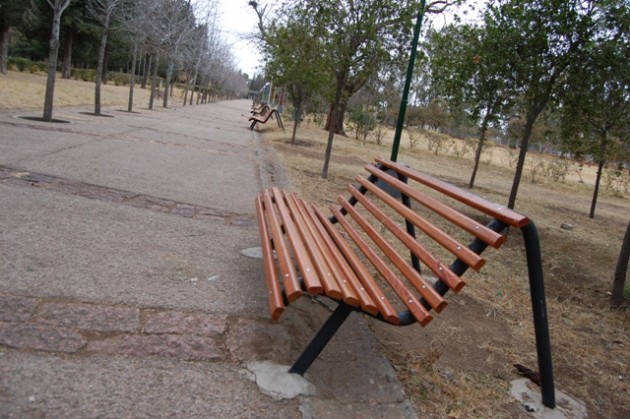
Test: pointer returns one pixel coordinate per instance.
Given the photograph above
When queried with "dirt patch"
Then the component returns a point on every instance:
(460, 366)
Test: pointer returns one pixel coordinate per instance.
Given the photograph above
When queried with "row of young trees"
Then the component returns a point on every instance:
(331, 49)
(176, 39)
(556, 64)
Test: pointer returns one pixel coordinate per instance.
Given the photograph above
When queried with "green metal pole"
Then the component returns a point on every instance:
(405, 96)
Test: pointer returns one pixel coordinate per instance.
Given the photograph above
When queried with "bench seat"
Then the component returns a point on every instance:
(266, 114)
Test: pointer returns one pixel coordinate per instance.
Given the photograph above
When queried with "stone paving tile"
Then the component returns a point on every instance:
(16, 309)
(102, 193)
(153, 204)
(183, 210)
(186, 347)
(99, 318)
(251, 339)
(39, 337)
(186, 323)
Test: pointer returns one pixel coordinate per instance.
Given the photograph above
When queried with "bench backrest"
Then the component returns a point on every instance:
(444, 218)
(368, 222)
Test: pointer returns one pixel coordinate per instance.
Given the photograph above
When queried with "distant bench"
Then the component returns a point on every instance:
(358, 256)
(261, 114)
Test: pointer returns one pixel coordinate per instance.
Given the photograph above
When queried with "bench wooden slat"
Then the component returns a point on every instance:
(501, 213)
(341, 271)
(460, 251)
(478, 230)
(327, 278)
(292, 287)
(301, 255)
(377, 302)
(441, 270)
(276, 305)
(407, 297)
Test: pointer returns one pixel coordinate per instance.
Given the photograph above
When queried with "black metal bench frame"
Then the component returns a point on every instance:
(536, 284)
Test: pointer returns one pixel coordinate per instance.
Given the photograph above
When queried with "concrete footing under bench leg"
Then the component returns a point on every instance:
(528, 395)
(276, 381)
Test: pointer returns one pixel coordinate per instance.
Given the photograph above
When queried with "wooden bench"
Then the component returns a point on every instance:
(358, 255)
(265, 116)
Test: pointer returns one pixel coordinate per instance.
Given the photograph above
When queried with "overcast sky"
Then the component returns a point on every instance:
(238, 20)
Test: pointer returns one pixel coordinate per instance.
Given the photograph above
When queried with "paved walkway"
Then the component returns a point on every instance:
(123, 289)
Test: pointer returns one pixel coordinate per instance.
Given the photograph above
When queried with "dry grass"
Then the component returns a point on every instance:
(26, 91)
(460, 366)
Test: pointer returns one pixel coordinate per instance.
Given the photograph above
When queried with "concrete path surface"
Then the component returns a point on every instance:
(123, 289)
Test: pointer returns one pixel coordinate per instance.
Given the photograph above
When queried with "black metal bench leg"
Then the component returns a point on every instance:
(321, 339)
(537, 289)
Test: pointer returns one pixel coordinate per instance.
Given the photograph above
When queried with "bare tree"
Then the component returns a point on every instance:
(207, 33)
(58, 7)
(176, 23)
(133, 20)
(103, 11)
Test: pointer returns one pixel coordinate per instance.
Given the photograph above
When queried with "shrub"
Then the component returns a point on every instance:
(83, 74)
(557, 169)
(119, 79)
(437, 141)
(18, 63)
(24, 64)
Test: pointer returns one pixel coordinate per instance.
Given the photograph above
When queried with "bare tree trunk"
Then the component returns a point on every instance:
(99, 68)
(58, 7)
(619, 280)
(296, 120)
(66, 62)
(132, 79)
(332, 129)
(5, 34)
(154, 80)
(600, 169)
(482, 140)
(186, 89)
(148, 58)
(527, 132)
(167, 84)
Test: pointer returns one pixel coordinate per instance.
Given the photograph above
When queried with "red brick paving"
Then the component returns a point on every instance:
(76, 327)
